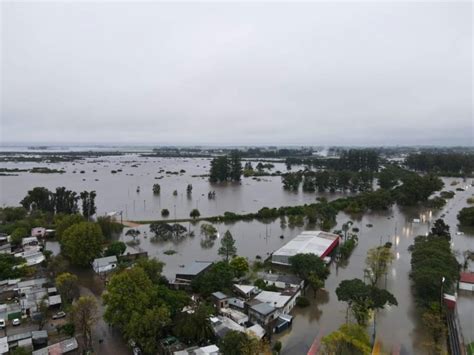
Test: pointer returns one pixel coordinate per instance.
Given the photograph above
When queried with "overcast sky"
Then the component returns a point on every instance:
(362, 73)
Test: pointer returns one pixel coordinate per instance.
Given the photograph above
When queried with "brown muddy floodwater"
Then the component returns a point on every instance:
(397, 327)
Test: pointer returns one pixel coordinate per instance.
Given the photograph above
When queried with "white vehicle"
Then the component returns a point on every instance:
(459, 233)
(16, 321)
(2, 323)
(59, 315)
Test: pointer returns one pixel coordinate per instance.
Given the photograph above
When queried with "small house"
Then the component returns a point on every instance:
(191, 271)
(247, 291)
(221, 300)
(262, 313)
(105, 264)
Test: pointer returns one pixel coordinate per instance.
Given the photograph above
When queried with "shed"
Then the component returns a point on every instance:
(105, 264)
(193, 270)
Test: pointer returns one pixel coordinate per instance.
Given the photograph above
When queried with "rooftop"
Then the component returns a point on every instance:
(308, 242)
(263, 308)
(101, 262)
(276, 299)
(195, 268)
(219, 295)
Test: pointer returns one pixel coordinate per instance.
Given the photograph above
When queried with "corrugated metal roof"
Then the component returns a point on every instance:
(309, 242)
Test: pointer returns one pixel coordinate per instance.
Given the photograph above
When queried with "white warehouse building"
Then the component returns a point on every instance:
(309, 242)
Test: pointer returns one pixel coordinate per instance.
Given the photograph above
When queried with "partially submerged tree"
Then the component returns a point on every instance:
(84, 315)
(227, 249)
(362, 298)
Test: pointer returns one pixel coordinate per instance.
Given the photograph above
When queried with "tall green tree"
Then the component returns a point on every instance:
(68, 286)
(377, 261)
(239, 265)
(82, 243)
(219, 169)
(227, 248)
(63, 222)
(116, 248)
(362, 298)
(65, 201)
(84, 315)
(39, 198)
(235, 166)
(88, 203)
(348, 339)
(195, 327)
(305, 265)
(147, 328)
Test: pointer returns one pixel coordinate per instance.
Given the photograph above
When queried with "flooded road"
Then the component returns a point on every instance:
(397, 327)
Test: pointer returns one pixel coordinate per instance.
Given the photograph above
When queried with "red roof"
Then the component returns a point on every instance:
(467, 277)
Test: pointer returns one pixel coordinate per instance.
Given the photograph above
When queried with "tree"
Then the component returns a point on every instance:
(156, 189)
(152, 267)
(12, 214)
(40, 198)
(116, 248)
(235, 166)
(128, 292)
(17, 236)
(63, 222)
(436, 327)
(84, 315)
(148, 327)
(189, 189)
(277, 347)
(195, 327)
(209, 230)
(57, 265)
(65, 201)
(238, 343)
(109, 227)
(88, 203)
(165, 212)
(441, 229)
(68, 286)
(134, 233)
(82, 243)
(432, 260)
(239, 265)
(231, 343)
(227, 249)
(42, 315)
(306, 264)
(20, 350)
(348, 339)
(219, 169)
(362, 298)
(218, 278)
(466, 216)
(194, 213)
(315, 283)
(8, 267)
(377, 261)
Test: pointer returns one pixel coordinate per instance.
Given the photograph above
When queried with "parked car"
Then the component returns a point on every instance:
(59, 315)
(2, 323)
(16, 321)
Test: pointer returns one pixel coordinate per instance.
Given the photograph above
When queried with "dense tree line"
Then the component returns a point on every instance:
(61, 201)
(453, 164)
(226, 168)
(432, 260)
(354, 160)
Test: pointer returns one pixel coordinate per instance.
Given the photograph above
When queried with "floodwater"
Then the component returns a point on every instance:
(397, 328)
(118, 191)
